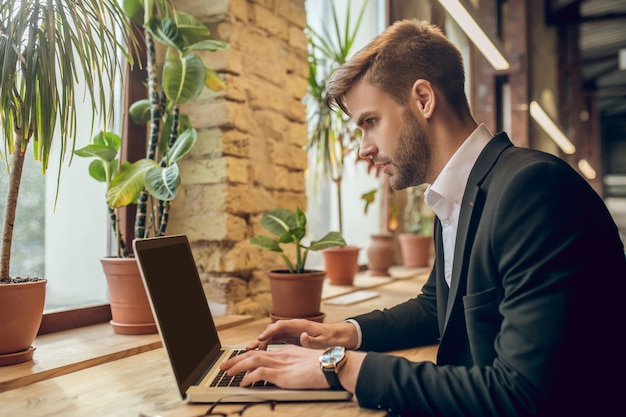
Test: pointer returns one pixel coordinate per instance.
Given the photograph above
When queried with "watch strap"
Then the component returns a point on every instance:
(332, 378)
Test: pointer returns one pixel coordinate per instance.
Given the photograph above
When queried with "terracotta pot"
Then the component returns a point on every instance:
(296, 295)
(21, 309)
(130, 307)
(415, 249)
(380, 254)
(341, 264)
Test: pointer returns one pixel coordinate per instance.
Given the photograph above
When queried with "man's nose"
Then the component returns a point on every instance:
(367, 150)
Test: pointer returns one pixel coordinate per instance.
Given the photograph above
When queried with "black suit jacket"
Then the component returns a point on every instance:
(532, 322)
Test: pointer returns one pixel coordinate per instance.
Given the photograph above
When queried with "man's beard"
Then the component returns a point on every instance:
(412, 156)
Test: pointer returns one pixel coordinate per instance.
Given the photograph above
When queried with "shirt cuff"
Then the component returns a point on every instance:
(359, 335)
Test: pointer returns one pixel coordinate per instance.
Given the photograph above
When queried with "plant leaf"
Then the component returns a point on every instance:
(97, 170)
(213, 80)
(163, 182)
(139, 112)
(331, 239)
(191, 30)
(166, 32)
(104, 152)
(293, 235)
(126, 186)
(266, 242)
(183, 78)
(207, 45)
(182, 146)
(279, 221)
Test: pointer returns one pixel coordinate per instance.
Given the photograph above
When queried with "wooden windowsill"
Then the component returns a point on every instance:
(72, 350)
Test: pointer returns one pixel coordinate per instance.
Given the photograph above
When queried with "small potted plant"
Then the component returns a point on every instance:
(130, 307)
(416, 242)
(296, 291)
(152, 182)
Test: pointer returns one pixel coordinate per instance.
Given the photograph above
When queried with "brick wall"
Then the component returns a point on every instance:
(250, 156)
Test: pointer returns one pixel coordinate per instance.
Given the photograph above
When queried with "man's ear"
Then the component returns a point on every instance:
(423, 96)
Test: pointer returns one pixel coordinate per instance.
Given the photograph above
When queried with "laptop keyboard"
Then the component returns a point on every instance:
(223, 380)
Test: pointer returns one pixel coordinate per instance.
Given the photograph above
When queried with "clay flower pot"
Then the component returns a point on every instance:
(130, 307)
(21, 306)
(415, 249)
(380, 254)
(341, 264)
(296, 295)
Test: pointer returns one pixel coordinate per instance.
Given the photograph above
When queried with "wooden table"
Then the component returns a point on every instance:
(143, 382)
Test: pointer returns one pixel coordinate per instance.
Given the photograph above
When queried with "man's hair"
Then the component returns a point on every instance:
(406, 51)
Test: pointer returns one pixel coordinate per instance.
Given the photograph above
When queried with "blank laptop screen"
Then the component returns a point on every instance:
(182, 312)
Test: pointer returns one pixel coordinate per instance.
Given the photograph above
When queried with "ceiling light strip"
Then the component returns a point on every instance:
(540, 116)
(587, 170)
(474, 31)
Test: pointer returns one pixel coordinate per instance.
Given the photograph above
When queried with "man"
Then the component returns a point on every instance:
(525, 296)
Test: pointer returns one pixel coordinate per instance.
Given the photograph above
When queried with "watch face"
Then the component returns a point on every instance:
(332, 355)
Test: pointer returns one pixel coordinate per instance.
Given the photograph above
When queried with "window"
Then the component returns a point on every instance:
(62, 241)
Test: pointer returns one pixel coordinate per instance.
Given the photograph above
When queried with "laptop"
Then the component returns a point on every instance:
(188, 332)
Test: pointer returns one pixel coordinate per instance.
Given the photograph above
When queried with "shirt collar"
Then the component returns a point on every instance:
(451, 182)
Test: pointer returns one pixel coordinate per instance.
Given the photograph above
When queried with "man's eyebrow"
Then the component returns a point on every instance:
(362, 118)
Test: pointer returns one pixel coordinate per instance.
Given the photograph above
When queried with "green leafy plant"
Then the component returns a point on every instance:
(161, 180)
(289, 227)
(155, 179)
(45, 46)
(331, 136)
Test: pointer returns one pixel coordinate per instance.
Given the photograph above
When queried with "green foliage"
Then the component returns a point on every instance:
(182, 77)
(45, 48)
(126, 181)
(289, 227)
(418, 217)
(331, 136)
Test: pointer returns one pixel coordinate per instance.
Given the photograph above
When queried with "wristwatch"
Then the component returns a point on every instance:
(330, 361)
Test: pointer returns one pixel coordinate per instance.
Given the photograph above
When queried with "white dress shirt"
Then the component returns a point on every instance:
(445, 194)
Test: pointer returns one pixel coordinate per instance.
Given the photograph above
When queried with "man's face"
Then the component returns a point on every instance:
(392, 137)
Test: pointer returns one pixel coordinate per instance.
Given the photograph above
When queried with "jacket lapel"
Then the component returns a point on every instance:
(469, 216)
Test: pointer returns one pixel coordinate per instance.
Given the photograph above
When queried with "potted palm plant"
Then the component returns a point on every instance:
(331, 136)
(151, 182)
(416, 242)
(296, 291)
(44, 46)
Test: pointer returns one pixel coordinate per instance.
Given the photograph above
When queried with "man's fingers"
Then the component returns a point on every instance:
(313, 342)
(254, 345)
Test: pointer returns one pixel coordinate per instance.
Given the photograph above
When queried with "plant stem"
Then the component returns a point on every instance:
(164, 215)
(339, 207)
(155, 126)
(121, 244)
(288, 263)
(15, 177)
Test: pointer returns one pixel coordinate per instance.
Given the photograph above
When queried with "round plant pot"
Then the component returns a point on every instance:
(130, 308)
(415, 249)
(341, 264)
(296, 295)
(21, 307)
(380, 254)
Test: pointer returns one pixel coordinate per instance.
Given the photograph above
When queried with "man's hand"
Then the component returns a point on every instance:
(292, 367)
(308, 334)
